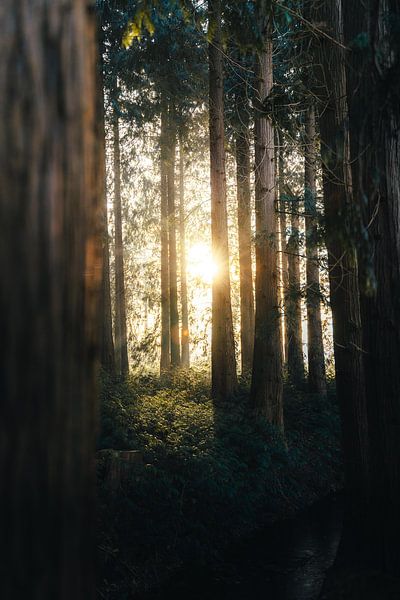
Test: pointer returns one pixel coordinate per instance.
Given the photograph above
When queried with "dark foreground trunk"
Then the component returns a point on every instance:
(51, 266)
(374, 101)
(331, 92)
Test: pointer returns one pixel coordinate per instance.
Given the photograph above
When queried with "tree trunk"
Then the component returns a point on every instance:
(51, 268)
(107, 342)
(266, 386)
(121, 343)
(243, 171)
(373, 75)
(342, 261)
(185, 356)
(173, 270)
(316, 357)
(295, 359)
(165, 362)
(284, 250)
(224, 378)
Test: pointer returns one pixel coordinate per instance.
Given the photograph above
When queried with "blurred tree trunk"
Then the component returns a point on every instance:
(295, 359)
(185, 349)
(316, 357)
(343, 271)
(243, 171)
(266, 386)
(284, 250)
(121, 343)
(173, 269)
(165, 362)
(51, 266)
(374, 103)
(224, 378)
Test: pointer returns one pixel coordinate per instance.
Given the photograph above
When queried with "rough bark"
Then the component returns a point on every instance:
(243, 171)
(316, 357)
(50, 260)
(224, 378)
(266, 385)
(121, 340)
(173, 270)
(165, 361)
(374, 100)
(295, 359)
(344, 290)
(185, 347)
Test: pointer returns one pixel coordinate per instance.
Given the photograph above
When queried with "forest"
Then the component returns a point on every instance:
(200, 307)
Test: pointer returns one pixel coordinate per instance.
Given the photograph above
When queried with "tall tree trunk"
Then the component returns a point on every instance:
(374, 100)
(173, 270)
(224, 378)
(295, 359)
(316, 357)
(243, 171)
(107, 342)
(342, 261)
(50, 260)
(283, 248)
(185, 349)
(121, 342)
(266, 385)
(165, 362)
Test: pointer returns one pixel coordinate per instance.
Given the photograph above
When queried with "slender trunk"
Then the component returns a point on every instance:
(342, 260)
(373, 75)
(173, 271)
(295, 359)
(185, 356)
(50, 260)
(266, 386)
(243, 171)
(316, 357)
(165, 362)
(224, 378)
(121, 344)
(107, 343)
(283, 248)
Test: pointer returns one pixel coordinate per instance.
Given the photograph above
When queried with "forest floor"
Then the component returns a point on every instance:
(208, 478)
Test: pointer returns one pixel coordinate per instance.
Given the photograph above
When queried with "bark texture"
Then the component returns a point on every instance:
(266, 385)
(51, 266)
(243, 171)
(224, 377)
(185, 347)
(316, 357)
(295, 359)
(173, 270)
(343, 272)
(121, 340)
(374, 102)
(165, 361)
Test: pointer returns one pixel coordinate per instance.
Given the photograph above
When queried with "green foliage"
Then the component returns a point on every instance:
(208, 476)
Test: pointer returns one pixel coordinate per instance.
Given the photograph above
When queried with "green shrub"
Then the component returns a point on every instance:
(207, 476)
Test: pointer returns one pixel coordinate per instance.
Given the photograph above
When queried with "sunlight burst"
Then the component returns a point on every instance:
(200, 263)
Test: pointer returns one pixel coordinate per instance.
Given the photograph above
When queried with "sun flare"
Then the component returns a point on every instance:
(200, 263)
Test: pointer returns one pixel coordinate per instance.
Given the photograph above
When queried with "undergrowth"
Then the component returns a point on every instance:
(207, 477)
